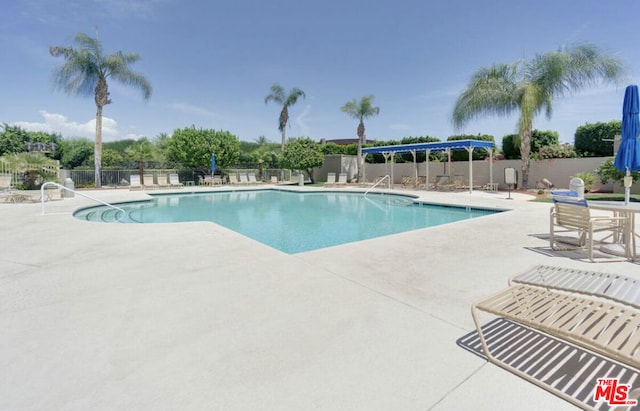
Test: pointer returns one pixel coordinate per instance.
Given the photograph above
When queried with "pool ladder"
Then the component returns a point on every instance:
(376, 184)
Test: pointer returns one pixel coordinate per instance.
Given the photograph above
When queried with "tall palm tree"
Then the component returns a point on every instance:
(361, 110)
(85, 72)
(528, 87)
(286, 100)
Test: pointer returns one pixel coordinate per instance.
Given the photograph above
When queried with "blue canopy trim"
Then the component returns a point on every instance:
(437, 146)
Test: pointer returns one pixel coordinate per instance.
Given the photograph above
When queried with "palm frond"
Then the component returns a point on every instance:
(491, 90)
(361, 110)
(293, 96)
(568, 71)
(277, 94)
(85, 65)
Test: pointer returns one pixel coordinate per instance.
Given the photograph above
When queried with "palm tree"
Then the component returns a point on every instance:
(85, 72)
(286, 100)
(363, 109)
(528, 87)
(140, 151)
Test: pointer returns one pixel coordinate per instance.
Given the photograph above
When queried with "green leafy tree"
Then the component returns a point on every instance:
(596, 140)
(15, 139)
(332, 149)
(529, 87)
(85, 72)
(286, 100)
(193, 147)
(539, 139)
(77, 152)
(112, 159)
(302, 154)
(360, 111)
(161, 145)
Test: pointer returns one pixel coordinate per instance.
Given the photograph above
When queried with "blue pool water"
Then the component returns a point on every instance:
(292, 222)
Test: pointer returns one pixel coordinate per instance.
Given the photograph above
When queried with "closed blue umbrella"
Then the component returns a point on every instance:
(213, 163)
(628, 156)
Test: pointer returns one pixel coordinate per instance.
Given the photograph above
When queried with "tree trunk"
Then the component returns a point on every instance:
(284, 119)
(360, 143)
(102, 99)
(97, 154)
(525, 154)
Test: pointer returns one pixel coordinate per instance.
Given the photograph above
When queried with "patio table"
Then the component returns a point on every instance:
(620, 209)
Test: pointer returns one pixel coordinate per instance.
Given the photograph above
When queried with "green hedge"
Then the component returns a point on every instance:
(589, 138)
(539, 138)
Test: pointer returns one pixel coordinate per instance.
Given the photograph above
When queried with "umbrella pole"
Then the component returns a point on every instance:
(628, 181)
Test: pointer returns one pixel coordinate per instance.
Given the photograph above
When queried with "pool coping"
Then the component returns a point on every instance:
(185, 316)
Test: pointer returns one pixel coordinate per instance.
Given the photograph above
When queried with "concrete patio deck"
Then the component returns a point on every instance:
(192, 316)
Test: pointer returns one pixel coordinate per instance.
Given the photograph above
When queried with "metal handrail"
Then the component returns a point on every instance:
(378, 182)
(51, 183)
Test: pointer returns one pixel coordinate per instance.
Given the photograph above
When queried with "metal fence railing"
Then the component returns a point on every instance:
(18, 173)
(110, 178)
(120, 178)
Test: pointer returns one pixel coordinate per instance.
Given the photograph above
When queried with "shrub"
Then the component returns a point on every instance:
(539, 139)
(554, 151)
(590, 138)
(588, 179)
(607, 172)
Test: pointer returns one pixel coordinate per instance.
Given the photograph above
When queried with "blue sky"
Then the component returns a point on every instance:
(211, 63)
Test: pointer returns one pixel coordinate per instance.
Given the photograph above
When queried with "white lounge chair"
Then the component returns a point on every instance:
(174, 180)
(5, 182)
(243, 178)
(134, 182)
(147, 181)
(5, 185)
(252, 179)
(331, 180)
(162, 181)
(233, 179)
(342, 179)
(274, 180)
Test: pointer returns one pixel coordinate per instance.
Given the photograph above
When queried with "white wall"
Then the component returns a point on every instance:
(558, 171)
(336, 164)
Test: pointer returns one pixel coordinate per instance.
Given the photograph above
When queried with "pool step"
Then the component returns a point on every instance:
(394, 201)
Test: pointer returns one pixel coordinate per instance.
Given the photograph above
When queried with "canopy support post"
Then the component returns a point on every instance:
(470, 150)
(426, 171)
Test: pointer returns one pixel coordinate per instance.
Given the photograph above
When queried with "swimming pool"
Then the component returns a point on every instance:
(292, 222)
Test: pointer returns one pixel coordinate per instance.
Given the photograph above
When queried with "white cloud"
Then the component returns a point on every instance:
(58, 123)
